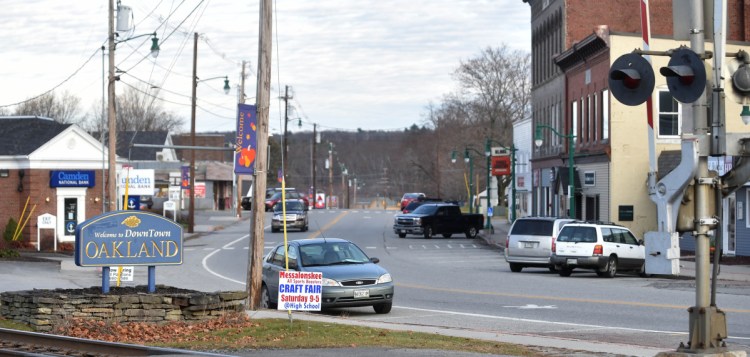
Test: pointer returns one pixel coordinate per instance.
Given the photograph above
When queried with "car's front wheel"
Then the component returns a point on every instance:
(383, 308)
(471, 232)
(428, 232)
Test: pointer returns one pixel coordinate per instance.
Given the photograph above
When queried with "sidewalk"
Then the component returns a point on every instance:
(740, 273)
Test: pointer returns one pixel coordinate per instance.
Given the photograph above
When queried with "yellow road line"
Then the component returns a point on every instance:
(557, 298)
(327, 226)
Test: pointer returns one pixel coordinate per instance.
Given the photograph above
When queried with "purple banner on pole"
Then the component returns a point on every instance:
(246, 141)
(185, 179)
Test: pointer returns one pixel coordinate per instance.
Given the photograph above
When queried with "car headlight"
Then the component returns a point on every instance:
(418, 221)
(330, 282)
(385, 278)
(277, 217)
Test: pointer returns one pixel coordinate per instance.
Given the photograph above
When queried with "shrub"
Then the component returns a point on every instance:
(10, 229)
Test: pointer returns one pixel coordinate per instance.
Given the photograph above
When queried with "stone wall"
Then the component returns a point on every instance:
(44, 309)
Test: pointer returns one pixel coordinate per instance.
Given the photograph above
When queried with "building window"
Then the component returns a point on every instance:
(596, 116)
(589, 178)
(669, 115)
(605, 115)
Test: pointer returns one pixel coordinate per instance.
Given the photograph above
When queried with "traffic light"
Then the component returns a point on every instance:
(686, 75)
(631, 79)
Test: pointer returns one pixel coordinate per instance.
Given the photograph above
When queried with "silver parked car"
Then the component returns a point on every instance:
(350, 277)
(296, 216)
(529, 242)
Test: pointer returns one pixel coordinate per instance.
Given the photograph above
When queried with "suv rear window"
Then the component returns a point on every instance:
(533, 227)
(577, 234)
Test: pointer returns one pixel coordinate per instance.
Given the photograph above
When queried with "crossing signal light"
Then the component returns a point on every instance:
(631, 79)
(686, 75)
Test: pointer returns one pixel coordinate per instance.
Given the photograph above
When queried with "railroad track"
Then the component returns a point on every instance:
(24, 343)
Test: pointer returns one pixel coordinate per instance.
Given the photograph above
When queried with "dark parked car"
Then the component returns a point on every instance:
(147, 202)
(350, 277)
(414, 204)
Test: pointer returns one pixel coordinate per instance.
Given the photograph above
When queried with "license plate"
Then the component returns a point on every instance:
(403, 231)
(361, 293)
(528, 244)
(573, 261)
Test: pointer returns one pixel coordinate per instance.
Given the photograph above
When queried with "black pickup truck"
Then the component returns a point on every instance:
(437, 218)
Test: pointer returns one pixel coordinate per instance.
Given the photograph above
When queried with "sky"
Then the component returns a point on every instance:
(350, 64)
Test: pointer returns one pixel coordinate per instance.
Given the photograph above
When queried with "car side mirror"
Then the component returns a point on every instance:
(374, 260)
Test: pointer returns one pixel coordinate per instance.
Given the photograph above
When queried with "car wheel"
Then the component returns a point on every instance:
(274, 230)
(565, 271)
(265, 298)
(515, 267)
(552, 269)
(611, 269)
(305, 228)
(447, 235)
(402, 235)
(428, 232)
(383, 308)
(471, 232)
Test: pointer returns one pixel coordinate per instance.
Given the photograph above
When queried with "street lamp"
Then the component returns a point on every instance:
(469, 160)
(191, 210)
(571, 152)
(488, 153)
(111, 113)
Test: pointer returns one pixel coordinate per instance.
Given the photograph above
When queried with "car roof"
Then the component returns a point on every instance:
(318, 241)
(545, 218)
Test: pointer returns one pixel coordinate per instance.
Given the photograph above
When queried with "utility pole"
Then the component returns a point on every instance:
(284, 158)
(112, 176)
(191, 206)
(314, 142)
(263, 94)
(330, 174)
(241, 100)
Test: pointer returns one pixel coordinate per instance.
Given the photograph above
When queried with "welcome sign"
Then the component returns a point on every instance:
(128, 238)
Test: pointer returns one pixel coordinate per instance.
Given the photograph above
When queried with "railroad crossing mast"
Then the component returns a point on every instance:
(689, 199)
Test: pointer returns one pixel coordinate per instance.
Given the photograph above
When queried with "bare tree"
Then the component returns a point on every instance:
(64, 108)
(139, 110)
(498, 82)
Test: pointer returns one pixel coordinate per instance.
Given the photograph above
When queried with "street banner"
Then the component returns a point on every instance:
(246, 144)
(185, 179)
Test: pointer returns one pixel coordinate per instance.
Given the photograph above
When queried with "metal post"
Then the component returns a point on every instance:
(112, 152)
(487, 149)
(513, 182)
(191, 207)
(471, 184)
(571, 182)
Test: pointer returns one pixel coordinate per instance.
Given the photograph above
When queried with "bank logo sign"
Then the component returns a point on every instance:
(72, 178)
(128, 238)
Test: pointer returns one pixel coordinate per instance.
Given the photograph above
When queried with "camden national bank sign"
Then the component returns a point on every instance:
(128, 238)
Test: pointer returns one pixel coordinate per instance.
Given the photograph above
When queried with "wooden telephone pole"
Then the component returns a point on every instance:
(263, 94)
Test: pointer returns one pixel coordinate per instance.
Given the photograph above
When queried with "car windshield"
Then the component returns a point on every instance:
(425, 209)
(332, 253)
(290, 206)
(577, 234)
(533, 227)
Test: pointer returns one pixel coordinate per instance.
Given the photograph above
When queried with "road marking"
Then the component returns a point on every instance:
(204, 262)
(327, 226)
(532, 307)
(371, 247)
(558, 298)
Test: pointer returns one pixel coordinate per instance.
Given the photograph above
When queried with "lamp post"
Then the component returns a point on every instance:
(571, 153)
(111, 114)
(469, 160)
(488, 153)
(191, 210)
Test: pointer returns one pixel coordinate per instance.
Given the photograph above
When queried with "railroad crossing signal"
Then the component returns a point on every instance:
(686, 75)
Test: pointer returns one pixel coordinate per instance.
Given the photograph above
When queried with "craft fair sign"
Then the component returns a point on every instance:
(128, 238)
(300, 290)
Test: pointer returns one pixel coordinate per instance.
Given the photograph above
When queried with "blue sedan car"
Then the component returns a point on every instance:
(350, 277)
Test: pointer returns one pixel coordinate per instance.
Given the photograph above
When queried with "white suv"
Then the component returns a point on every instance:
(606, 248)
